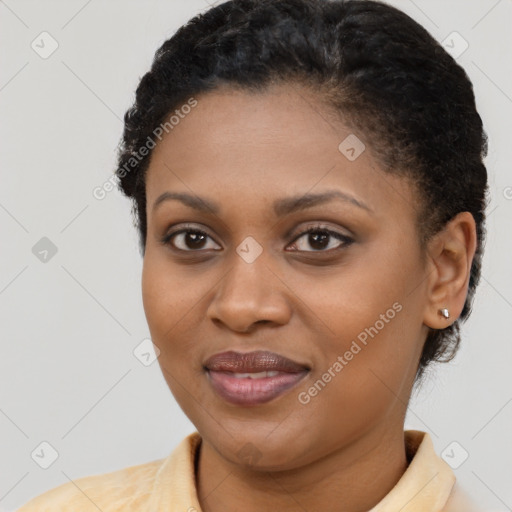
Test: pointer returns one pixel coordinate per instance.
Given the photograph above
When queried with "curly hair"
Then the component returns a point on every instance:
(372, 65)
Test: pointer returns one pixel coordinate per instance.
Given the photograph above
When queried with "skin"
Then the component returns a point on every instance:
(346, 445)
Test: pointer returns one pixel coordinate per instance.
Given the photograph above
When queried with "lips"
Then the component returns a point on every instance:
(252, 378)
(251, 362)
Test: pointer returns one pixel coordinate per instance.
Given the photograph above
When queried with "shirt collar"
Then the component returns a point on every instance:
(425, 485)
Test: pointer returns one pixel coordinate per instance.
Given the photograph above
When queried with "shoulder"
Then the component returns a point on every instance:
(126, 489)
(459, 501)
(445, 492)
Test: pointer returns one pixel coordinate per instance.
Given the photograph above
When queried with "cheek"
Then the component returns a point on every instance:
(166, 290)
(171, 307)
(167, 298)
(366, 290)
(373, 327)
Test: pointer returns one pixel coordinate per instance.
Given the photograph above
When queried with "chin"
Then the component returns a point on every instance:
(262, 450)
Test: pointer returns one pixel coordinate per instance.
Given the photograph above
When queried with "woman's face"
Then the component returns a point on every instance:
(345, 302)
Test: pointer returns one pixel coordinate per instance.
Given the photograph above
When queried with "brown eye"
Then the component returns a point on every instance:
(321, 240)
(188, 240)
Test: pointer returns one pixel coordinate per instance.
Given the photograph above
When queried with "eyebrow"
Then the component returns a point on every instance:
(281, 207)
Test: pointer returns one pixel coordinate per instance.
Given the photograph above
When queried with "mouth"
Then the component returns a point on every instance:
(252, 378)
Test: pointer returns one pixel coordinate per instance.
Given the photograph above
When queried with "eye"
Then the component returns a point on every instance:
(188, 240)
(320, 238)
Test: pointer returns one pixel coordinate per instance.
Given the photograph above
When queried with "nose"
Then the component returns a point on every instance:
(249, 294)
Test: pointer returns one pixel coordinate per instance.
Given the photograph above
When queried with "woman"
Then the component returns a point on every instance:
(309, 189)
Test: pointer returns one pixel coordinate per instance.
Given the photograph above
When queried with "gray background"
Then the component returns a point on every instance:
(70, 325)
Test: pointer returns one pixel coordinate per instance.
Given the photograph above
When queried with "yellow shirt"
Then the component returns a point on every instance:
(168, 485)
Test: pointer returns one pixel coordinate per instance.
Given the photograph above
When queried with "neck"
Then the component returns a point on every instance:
(351, 479)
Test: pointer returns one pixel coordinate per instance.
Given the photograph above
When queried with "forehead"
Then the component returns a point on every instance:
(250, 148)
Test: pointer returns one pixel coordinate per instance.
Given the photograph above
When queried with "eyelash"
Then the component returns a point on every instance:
(167, 239)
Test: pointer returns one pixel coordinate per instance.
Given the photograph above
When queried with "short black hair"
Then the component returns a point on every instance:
(384, 75)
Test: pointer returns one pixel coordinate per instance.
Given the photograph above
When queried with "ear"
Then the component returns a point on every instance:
(450, 255)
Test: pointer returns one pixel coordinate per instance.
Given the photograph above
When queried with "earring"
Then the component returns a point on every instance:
(444, 312)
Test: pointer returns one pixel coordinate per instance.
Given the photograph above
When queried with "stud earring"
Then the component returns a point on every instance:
(444, 312)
